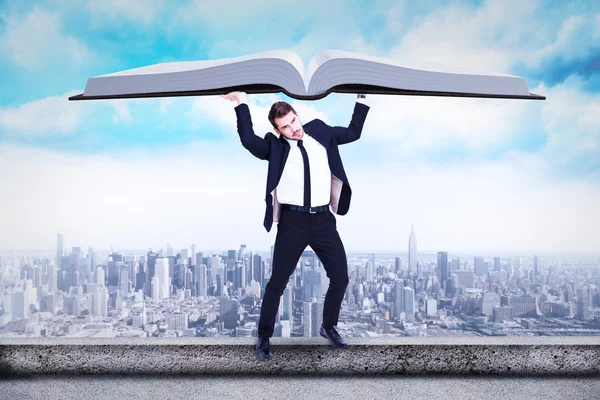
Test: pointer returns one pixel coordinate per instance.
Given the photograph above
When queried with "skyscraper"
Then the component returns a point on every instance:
(398, 298)
(412, 250)
(164, 282)
(442, 267)
(369, 271)
(202, 280)
(409, 303)
(60, 246)
(307, 319)
(150, 269)
(91, 261)
(287, 302)
(496, 263)
(194, 261)
(479, 266)
(488, 302)
(312, 317)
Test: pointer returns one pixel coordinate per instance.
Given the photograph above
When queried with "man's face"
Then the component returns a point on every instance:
(290, 126)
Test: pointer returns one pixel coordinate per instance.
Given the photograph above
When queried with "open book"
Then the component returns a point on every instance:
(283, 71)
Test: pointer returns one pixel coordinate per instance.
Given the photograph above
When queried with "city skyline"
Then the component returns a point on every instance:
(177, 293)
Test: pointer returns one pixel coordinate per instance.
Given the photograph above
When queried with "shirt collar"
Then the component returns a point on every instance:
(295, 142)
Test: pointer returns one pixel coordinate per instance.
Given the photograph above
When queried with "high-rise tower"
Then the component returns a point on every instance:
(412, 250)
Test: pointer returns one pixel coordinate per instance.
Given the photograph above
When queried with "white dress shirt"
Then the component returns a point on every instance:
(290, 189)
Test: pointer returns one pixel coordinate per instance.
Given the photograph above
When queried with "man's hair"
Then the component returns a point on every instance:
(278, 110)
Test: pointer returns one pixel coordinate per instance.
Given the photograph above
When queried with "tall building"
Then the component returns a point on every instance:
(536, 271)
(398, 298)
(455, 264)
(287, 302)
(412, 250)
(317, 317)
(99, 303)
(162, 275)
(479, 266)
(60, 249)
(431, 307)
(242, 252)
(214, 267)
(184, 257)
(229, 312)
(19, 305)
(369, 271)
(311, 285)
(91, 261)
(397, 265)
(258, 271)
(99, 276)
(583, 304)
(496, 263)
(194, 259)
(466, 279)
(488, 302)
(124, 280)
(151, 257)
(409, 303)
(307, 319)
(169, 250)
(309, 280)
(52, 278)
(312, 317)
(202, 280)
(442, 267)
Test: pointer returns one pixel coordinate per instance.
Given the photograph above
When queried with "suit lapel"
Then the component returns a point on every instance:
(286, 152)
(317, 134)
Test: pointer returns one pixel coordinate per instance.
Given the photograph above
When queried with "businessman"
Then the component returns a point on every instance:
(305, 179)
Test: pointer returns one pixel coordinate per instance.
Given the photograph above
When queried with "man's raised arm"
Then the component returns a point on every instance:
(352, 132)
(258, 146)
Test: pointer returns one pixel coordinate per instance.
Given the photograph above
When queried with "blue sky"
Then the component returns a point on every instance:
(506, 175)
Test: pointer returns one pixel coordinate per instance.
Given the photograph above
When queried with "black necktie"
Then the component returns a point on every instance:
(306, 174)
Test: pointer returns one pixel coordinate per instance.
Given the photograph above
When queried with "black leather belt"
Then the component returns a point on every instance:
(312, 210)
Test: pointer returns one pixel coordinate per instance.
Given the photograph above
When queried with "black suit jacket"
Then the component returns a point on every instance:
(276, 149)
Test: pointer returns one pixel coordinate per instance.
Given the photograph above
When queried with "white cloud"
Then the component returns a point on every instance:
(417, 124)
(50, 116)
(165, 103)
(34, 39)
(122, 112)
(212, 194)
(504, 206)
(577, 37)
(570, 118)
(143, 11)
(57, 116)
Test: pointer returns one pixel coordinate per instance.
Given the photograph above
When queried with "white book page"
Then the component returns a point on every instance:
(330, 68)
(282, 68)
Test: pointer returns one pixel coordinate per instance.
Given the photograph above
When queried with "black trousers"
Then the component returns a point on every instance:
(295, 231)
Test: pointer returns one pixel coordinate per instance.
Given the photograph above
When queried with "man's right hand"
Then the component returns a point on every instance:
(239, 97)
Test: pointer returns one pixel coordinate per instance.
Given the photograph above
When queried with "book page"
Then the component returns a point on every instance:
(280, 68)
(180, 66)
(331, 68)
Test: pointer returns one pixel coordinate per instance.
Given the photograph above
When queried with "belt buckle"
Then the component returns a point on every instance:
(311, 211)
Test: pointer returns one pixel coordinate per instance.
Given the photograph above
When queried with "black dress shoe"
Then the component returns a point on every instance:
(263, 348)
(333, 337)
